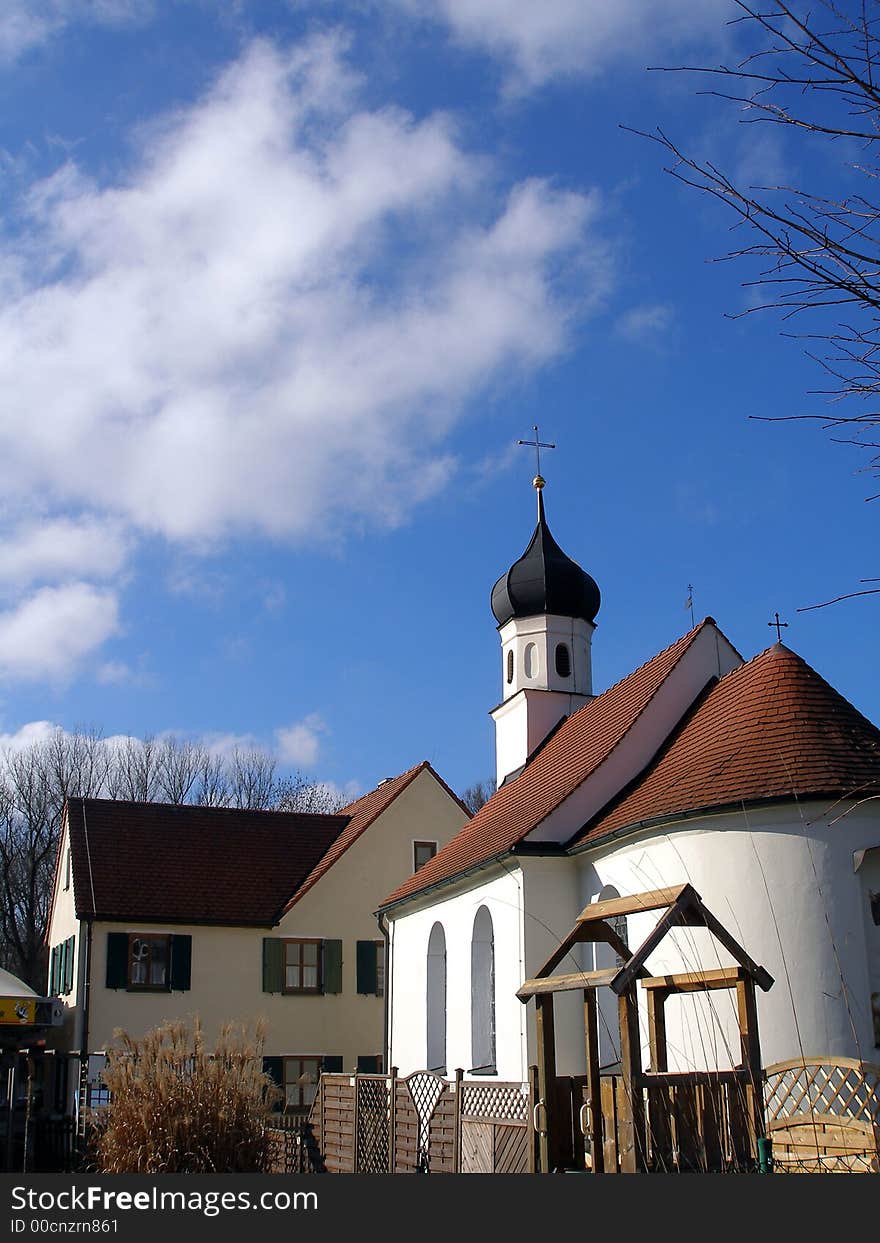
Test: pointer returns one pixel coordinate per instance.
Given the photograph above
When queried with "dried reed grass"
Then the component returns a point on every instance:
(176, 1108)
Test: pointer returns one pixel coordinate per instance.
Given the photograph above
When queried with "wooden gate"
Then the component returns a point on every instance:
(377, 1124)
(495, 1130)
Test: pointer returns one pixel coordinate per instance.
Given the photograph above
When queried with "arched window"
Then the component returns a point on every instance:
(436, 1000)
(530, 661)
(483, 994)
(510, 665)
(563, 661)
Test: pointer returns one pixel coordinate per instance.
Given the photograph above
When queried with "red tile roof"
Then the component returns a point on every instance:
(572, 753)
(183, 864)
(363, 812)
(771, 729)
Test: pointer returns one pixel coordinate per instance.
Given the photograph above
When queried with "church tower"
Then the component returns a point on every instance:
(545, 606)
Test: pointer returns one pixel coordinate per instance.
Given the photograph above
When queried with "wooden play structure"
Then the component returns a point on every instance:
(640, 1120)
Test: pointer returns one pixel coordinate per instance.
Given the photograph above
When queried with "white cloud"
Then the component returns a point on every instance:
(299, 744)
(25, 24)
(59, 548)
(49, 634)
(273, 323)
(539, 40)
(645, 323)
(27, 735)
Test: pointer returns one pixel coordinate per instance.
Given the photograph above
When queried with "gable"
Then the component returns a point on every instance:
(532, 808)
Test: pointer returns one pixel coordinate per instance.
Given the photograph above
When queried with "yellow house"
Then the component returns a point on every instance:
(164, 911)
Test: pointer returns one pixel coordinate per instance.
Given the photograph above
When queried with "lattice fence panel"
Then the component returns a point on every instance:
(503, 1101)
(373, 1116)
(823, 1087)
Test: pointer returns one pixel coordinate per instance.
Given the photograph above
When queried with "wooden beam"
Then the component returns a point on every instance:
(657, 1028)
(631, 1125)
(593, 1092)
(761, 977)
(576, 937)
(546, 1040)
(566, 983)
(652, 900)
(696, 981)
(629, 972)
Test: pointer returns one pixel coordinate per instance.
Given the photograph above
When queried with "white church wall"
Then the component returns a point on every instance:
(409, 934)
(783, 881)
(709, 655)
(552, 904)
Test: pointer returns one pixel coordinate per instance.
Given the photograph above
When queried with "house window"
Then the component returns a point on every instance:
(301, 1075)
(67, 868)
(369, 1064)
(436, 1000)
(483, 994)
(302, 966)
(422, 852)
(149, 958)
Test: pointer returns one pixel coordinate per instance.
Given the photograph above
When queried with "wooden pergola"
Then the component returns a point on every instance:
(681, 907)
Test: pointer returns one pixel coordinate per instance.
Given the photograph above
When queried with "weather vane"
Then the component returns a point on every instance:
(537, 444)
(779, 625)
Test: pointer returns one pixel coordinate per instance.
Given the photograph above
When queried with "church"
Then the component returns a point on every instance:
(753, 781)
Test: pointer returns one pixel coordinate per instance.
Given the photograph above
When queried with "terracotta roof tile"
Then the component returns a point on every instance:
(773, 728)
(572, 753)
(363, 812)
(186, 864)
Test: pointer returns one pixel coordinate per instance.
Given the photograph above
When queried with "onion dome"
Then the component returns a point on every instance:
(544, 580)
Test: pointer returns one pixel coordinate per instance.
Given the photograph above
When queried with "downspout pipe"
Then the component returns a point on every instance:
(386, 999)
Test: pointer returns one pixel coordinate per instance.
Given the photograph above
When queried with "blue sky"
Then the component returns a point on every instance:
(282, 286)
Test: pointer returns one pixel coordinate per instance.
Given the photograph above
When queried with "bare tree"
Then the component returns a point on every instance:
(814, 251)
(179, 765)
(36, 780)
(133, 771)
(252, 779)
(477, 794)
(299, 793)
(212, 787)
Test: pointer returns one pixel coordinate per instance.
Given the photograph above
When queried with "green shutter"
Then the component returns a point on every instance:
(367, 976)
(273, 951)
(332, 1065)
(66, 963)
(332, 967)
(117, 959)
(53, 971)
(181, 962)
(71, 958)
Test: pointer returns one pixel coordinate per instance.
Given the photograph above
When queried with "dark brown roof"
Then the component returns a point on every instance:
(771, 729)
(363, 812)
(185, 864)
(572, 753)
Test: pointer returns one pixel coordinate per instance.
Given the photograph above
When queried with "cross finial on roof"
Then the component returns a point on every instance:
(779, 626)
(537, 444)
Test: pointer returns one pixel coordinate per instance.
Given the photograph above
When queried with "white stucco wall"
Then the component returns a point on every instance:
(501, 893)
(782, 880)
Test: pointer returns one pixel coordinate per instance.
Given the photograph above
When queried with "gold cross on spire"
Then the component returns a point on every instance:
(537, 444)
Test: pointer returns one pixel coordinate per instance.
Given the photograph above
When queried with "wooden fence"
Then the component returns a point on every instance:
(377, 1124)
(823, 1115)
